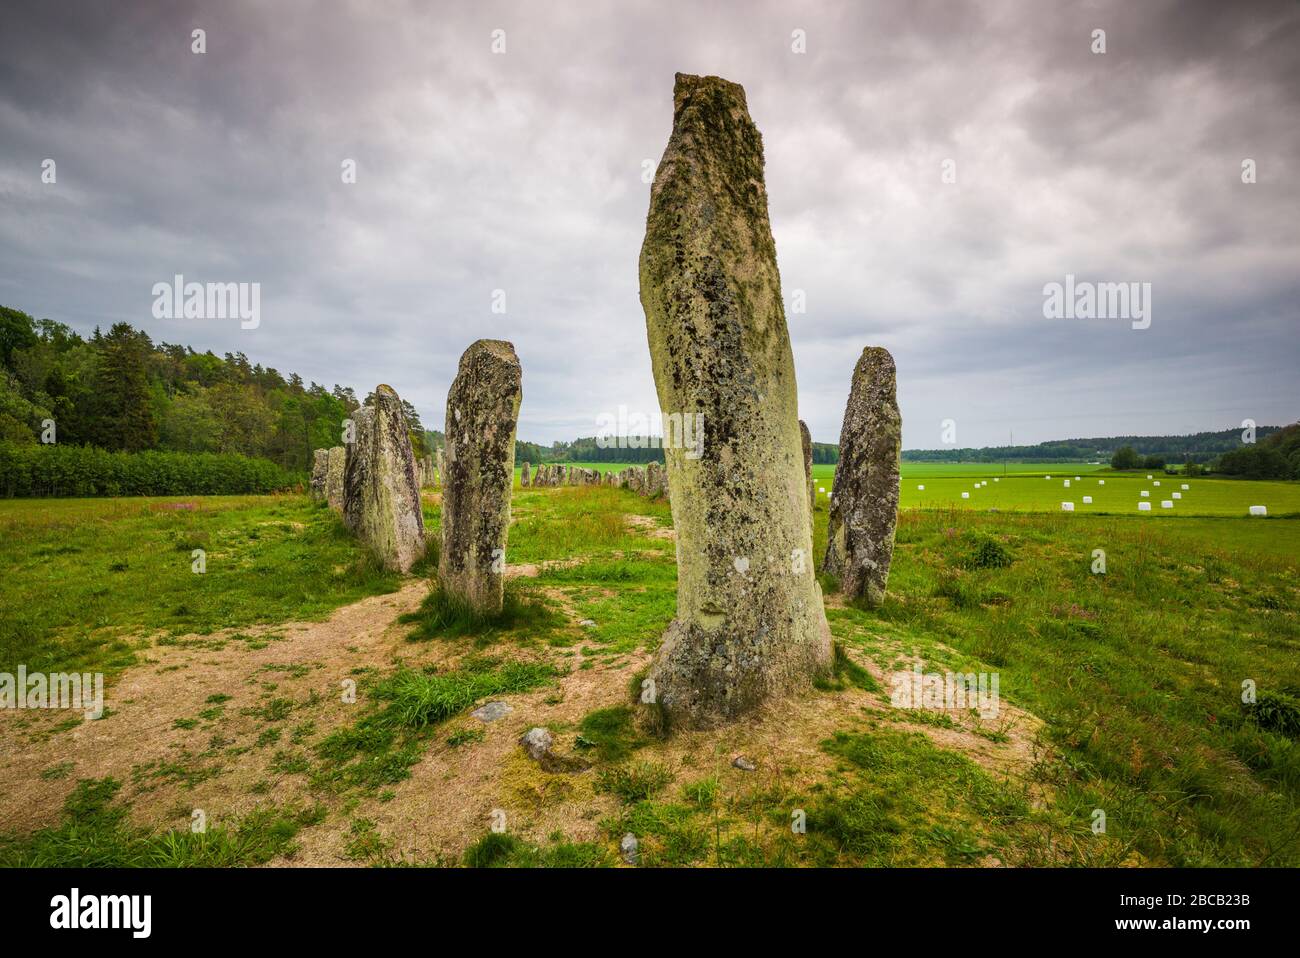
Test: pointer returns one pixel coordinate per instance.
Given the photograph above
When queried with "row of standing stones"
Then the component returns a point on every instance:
(650, 480)
(750, 624)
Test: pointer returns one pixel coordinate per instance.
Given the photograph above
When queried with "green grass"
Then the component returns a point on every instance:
(568, 522)
(1137, 674)
(523, 615)
(83, 582)
(381, 746)
(503, 850)
(633, 782)
(1026, 488)
(95, 833)
(611, 733)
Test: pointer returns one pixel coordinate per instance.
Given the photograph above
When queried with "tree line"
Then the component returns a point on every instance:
(1202, 448)
(119, 391)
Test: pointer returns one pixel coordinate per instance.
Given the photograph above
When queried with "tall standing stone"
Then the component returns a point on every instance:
(439, 462)
(807, 467)
(864, 497)
(525, 476)
(482, 416)
(750, 624)
(381, 494)
(335, 468)
(320, 462)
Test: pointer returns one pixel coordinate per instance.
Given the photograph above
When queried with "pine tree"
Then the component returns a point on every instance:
(124, 415)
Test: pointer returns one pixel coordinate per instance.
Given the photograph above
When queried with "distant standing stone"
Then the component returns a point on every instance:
(525, 476)
(381, 495)
(337, 466)
(320, 463)
(482, 416)
(864, 496)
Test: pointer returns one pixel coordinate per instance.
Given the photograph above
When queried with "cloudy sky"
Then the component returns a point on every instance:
(522, 171)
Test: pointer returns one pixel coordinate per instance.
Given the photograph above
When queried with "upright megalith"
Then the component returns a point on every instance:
(438, 463)
(525, 476)
(807, 467)
(864, 496)
(381, 494)
(652, 479)
(320, 461)
(482, 415)
(336, 466)
(750, 624)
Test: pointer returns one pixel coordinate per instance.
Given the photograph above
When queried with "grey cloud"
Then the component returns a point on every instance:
(523, 172)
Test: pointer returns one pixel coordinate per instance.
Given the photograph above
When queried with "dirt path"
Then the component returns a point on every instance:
(139, 743)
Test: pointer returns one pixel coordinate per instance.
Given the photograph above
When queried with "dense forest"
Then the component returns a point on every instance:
(120, 391)
(1275, 457)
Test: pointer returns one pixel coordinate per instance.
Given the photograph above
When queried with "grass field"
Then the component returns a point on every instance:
(1026, 487)
(1121, 692)
(1031, 490)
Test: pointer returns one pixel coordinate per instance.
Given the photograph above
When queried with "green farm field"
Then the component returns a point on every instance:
(1029, 487)
(1120, 691)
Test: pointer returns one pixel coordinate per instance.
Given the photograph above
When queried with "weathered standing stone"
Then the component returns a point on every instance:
(337, 465)
(381, 496)
(807, 468)
(750, 624)
(482, 416)
(864, 497)
(652, 479)
(525, 476)
(438, 462)
(320, 462)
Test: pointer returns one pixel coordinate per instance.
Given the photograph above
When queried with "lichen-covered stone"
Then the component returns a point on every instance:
(525, 476)
(320, 461)
(381, 495)
(807, 466)
(438, 463)
(482, 416)
(652, 480)
(864, 497)
(750, 624)
(337, 462)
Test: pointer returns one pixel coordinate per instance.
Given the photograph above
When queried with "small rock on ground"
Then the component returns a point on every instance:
(629, 847)
(491, 711)
(537, 743)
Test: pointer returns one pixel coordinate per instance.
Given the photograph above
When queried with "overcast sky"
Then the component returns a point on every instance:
(522, 171)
